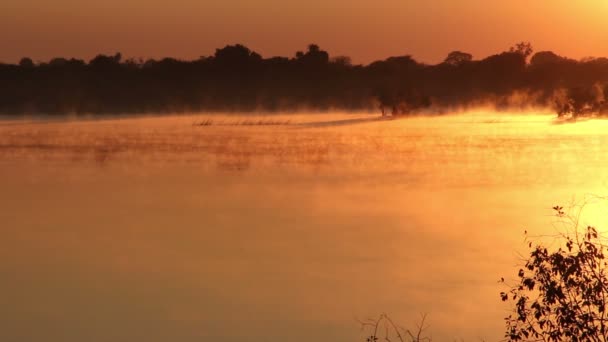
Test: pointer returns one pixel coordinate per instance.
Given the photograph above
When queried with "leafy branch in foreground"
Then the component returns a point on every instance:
(385, 329)
(561, 293)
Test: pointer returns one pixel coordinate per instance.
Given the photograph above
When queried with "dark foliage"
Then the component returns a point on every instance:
(238, 79)
(384, 328)
(561, 295)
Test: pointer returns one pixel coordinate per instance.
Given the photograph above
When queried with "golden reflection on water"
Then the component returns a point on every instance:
(161, 229)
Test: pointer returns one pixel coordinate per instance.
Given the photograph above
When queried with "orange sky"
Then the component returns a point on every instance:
(363, 29)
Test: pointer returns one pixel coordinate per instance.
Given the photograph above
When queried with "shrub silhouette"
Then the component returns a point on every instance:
(561, 294)
(384, 328)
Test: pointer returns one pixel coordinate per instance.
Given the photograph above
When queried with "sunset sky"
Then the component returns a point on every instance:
(363, 29)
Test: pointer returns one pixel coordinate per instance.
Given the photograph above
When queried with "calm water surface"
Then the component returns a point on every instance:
(157, 229)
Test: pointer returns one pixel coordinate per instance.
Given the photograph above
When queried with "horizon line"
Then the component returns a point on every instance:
(142, 60)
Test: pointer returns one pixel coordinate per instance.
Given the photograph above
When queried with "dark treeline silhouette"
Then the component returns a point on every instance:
(238, 79)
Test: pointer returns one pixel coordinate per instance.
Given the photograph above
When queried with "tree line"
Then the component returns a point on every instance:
(236, 78)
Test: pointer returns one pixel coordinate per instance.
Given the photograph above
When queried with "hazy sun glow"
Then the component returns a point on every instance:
(319, 219)
(131, 210)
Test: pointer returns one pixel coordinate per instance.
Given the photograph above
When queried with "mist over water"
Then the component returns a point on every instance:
(279, 227)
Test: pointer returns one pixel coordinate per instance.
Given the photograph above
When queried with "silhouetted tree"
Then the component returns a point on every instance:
(342, 61)
(235, 54)
(237, 78)
(103, 61)
(58, 62)
(314, 56)
(458, 58)
(544, 58)
(561, 293)
(26, 62)
(523, 48)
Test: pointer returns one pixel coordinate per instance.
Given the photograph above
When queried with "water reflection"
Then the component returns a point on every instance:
(155, 229)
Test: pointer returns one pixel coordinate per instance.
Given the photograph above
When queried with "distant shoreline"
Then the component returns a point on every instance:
(236, 79)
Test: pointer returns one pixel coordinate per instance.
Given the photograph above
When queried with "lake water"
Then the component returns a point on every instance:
(278, 228)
